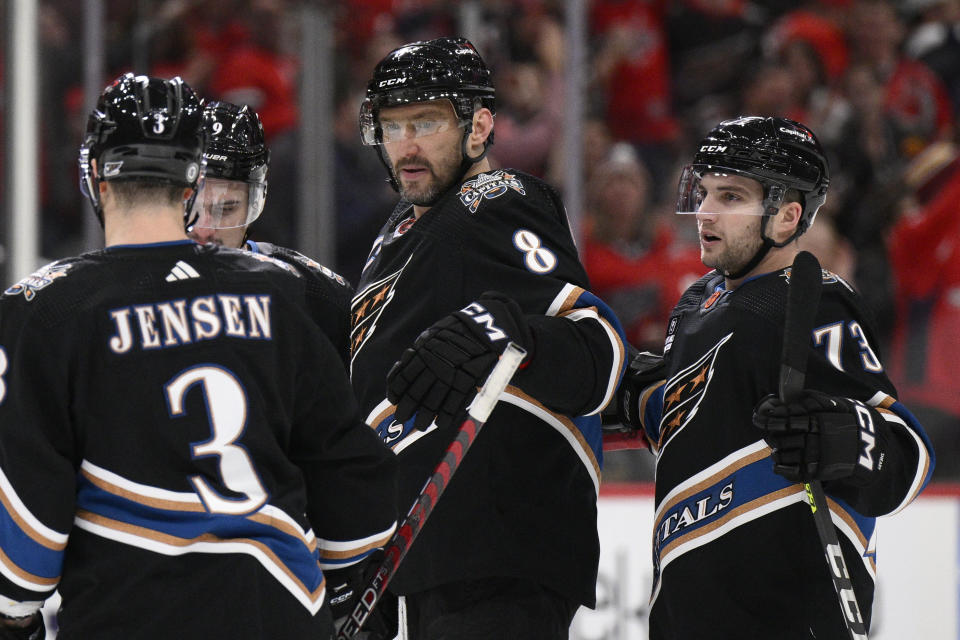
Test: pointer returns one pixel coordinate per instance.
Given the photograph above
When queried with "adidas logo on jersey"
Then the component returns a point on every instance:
(182, 271)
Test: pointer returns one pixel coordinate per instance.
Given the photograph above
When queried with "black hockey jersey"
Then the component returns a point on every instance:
(180, 451)
(328, 294)
(735, 549)
(523, 502)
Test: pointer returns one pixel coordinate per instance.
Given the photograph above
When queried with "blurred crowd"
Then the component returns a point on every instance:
(877, 80)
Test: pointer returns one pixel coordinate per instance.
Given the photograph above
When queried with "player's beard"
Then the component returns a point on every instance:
(443, 173)
(738, 250)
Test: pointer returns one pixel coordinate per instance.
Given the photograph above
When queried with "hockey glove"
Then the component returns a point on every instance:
(26, 628)
(344, 587)
(622, 422)
(822, 437)
(438, 377)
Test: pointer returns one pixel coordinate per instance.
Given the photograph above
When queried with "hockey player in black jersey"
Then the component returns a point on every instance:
(181, 455)
(232, 197)
(511, 549)
(736, 553)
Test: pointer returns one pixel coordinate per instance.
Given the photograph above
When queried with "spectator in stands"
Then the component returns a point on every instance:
(632, 66)
(630, 253)
(925, 253)
(530, 94)
(260, 73)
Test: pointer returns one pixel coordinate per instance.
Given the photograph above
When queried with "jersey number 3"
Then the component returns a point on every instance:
(226, 404)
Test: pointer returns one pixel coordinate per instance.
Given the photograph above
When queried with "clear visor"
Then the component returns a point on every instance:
(713, 192)
(394, 129)
(228, 204)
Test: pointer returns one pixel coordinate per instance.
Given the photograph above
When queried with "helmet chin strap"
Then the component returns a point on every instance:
(768, 243)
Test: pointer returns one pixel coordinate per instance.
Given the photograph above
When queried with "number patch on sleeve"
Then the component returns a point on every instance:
(536, 257)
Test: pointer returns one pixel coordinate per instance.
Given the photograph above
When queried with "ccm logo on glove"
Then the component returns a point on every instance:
(479, 314)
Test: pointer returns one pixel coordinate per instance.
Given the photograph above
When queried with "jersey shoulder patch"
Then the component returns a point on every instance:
(488, 186)
(30, 286)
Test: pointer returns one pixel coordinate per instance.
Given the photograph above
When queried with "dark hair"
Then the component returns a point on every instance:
(134, 193)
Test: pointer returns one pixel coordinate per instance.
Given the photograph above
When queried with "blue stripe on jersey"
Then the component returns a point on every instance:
(865, 525)
(25, 552)
(703, 508)
(290, 550)
(588, 299)
(589, 427)
(652, 414)
(917, 428)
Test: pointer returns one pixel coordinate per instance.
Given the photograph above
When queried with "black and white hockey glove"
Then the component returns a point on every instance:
(344, 587)
(438, 376)
(26, 628)
(622, 422)
(822, 437)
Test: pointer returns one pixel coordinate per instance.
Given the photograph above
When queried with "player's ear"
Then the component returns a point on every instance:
(482, 128)
(786, 220)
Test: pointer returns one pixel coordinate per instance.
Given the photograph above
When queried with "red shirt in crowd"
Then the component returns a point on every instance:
(925, 253)
(642, 289)
(638, 91)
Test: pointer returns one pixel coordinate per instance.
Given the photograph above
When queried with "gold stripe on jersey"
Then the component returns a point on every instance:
(757, 451)
(562, 424)
(338, 550)
(565, 299)
(167, 544)
(26, 579)
(32, 533)
(156, 503)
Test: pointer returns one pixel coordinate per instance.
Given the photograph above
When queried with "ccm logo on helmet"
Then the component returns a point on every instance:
(392, 81)
(716, 148)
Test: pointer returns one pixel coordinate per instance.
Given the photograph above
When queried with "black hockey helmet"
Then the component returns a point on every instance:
(441, 69)
(445, 68)
(143, 128)
(237, 151)
(779, 153)
(236, 148)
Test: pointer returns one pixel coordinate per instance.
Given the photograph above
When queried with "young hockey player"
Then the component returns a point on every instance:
(736, 551)
(182, 456)
(232, 197)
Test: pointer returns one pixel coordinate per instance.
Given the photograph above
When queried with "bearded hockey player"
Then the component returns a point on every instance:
(182, 456)
(735, 549)
(511, 549)
(232, 198)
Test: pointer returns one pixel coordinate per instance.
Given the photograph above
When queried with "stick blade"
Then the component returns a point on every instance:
(803, 299)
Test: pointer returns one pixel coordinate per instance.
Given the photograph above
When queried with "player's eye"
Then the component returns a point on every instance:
(425, 127)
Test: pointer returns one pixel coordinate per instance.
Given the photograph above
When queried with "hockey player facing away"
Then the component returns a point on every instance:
(511, 549)
(232, 197)
(736, 552)
(182, 455)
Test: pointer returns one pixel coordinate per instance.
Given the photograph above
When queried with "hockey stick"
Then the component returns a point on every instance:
(399, 544)
(803, 298)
